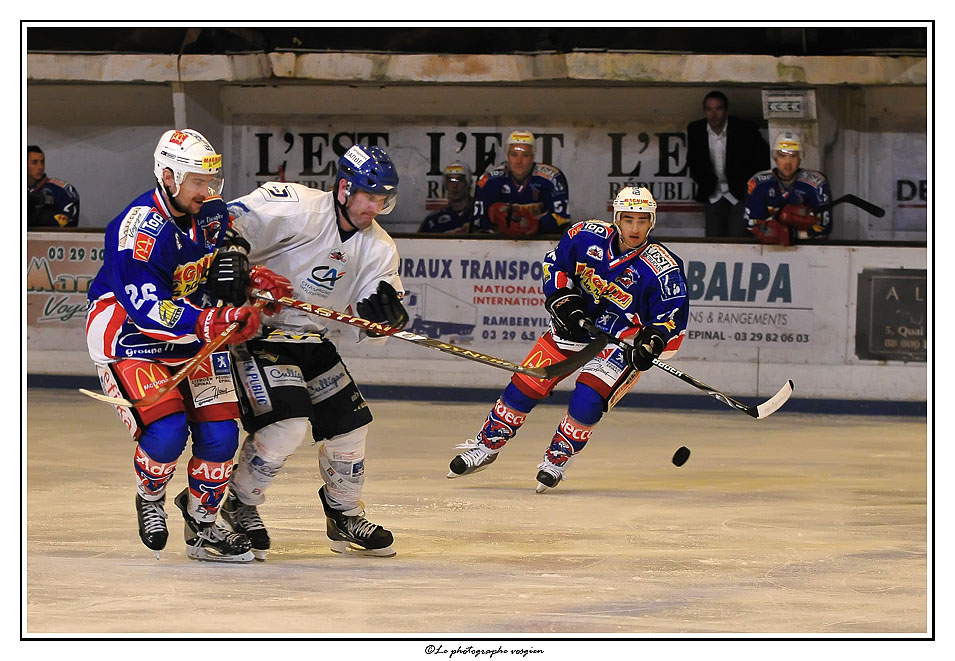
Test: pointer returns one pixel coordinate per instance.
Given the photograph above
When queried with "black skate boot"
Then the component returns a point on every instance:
(152, 523)
(210, 541)
(548, 477)
(475, 459)
(246, 520)
(349, 530)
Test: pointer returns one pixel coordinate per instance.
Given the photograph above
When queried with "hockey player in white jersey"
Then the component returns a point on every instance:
(337, 256)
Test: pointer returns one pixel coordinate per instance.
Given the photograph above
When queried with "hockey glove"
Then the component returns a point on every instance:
(772, 232)
(228, 276)
(798, 216)
(647, 345)
(566, 307)
(268, 280)
(213, 321)
(383, 307)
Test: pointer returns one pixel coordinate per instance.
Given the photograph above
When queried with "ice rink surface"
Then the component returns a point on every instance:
(797, 525)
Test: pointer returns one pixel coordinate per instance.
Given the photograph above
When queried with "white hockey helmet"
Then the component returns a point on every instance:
(637, 200)
(459, 171)
(184, 151)
(521, 138)
(787, 142)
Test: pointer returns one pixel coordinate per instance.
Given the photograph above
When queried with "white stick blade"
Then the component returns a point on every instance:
(115, 401)
(775, 402)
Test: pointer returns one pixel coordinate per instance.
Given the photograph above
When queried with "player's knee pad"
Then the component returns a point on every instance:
(586, 405)
(342, 462)
(514, 398)
(263, 455)
(165, 439)
(215, 441)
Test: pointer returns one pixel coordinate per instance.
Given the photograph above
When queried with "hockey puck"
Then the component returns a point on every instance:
(681, 455)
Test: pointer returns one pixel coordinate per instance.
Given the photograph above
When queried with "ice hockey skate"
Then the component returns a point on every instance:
(474, 459)
(350, 531)
(548, 477)
(210, 541)
(245, 519)
(152, 523)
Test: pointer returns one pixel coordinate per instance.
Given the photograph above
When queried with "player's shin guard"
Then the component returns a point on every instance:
(262, 456)
(569, 440)
(151, 475)
(501, 425)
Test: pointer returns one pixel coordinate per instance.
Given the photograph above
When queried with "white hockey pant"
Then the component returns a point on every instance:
(342, 463)
(263, 455)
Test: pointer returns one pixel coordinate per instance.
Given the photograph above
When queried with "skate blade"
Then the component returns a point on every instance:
(347, 548)
(205, 555)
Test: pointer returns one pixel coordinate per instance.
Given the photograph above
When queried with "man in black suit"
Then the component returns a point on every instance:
(723, 152)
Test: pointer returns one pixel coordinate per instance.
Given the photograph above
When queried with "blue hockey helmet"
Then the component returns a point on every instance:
(369, 169)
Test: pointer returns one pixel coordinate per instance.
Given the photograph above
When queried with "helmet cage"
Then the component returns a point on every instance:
(188, 151)
(369, 169)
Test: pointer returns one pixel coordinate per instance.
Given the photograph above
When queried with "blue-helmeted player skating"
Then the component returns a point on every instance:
(151, 308)
(631, 288)
(783, 205)
(521, 197)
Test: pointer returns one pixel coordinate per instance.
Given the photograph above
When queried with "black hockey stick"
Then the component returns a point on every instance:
(759, 412)
(865, 205)
(561, 368)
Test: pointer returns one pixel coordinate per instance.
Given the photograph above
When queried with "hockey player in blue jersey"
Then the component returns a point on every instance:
(50, 202)
(628, 286)
(150, 309)
(521, 197)
(782, 205)
(455, 216)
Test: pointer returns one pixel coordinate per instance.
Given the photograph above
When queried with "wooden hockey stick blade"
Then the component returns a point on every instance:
(164, 387)
(538, 372)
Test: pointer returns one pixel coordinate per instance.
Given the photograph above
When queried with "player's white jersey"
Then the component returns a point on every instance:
(294, 231)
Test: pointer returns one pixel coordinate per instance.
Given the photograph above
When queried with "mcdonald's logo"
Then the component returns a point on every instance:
(144, 247)
(147, 375)
(538, 359)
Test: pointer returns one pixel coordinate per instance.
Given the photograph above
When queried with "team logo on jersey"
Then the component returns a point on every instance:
(144, 247)
(658, 259)
(626, 278)
(169, 313)
(187, 278)
(338, 256)
(278, 193)
(599, 288)
(595, 252)
(322, 280)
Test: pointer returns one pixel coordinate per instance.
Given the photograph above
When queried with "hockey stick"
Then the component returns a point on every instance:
(164, 387)
(759, 412)
(865, 205)
(561, 368)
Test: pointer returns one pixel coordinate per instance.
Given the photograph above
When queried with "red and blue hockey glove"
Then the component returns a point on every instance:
(268, 280)
(213, 321)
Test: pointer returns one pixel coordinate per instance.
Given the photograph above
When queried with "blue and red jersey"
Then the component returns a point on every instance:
(448, 221)
(150, 290)
(537, 205)
(766, 195)
(623, 291)
(52, 203)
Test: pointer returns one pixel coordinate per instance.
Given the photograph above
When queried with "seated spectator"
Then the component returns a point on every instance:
(50, 202)
(521, 197)
(455, 216)
(784, 204)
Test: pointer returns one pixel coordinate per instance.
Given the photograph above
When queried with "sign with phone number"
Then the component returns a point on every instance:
(59, 270)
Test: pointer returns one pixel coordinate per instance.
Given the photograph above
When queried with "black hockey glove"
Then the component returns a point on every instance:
(647, 345)
(566, 307)
(228, 275)
(384, 307)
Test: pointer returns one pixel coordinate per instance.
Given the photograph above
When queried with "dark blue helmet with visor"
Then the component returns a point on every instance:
(369, 169)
